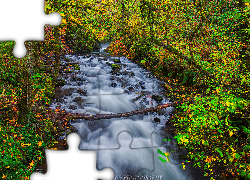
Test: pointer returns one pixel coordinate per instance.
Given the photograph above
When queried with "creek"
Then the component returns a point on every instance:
(101, 84)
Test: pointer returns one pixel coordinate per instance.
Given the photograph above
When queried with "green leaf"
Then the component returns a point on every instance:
(247, 147)
(218, 150)
(237, 156)
(162, 160)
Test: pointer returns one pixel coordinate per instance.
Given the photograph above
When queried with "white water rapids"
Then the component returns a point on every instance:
(106, 94)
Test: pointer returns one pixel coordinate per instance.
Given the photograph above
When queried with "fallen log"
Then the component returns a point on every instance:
(109, 116)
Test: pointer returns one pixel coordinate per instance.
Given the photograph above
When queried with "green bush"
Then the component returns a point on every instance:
(210, 134)
(22, 148)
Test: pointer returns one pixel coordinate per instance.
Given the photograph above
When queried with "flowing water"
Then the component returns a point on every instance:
(97, 88)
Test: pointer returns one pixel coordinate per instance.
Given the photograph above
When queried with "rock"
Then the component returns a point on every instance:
(112, 78)
(80, 83)
(60, 100)
(130, 88)
(72, 107)
(68, 92)
(58, 90)
(73, 78)
(109, 64)
(82, 92)
(115, 67)
(125, 73)
(80, 103)
(157, 120)
(77, 99)
(141, 83)
(126, 91)
(113, 84)
(60, 82)
(145, 92)
(115, 72)
(157, 98)
(117, 61)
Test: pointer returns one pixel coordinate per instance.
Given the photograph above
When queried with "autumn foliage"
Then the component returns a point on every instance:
(199, 48)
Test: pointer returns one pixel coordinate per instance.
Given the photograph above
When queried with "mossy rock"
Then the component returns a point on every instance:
(115, 66)
(67, 60)
(77, 67)
(60, 82)
(157, 98)
(109, 64)
(117, 61)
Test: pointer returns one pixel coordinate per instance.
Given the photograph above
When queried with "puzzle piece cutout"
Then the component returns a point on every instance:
(27, 19)
(121, 158)
(72, 164)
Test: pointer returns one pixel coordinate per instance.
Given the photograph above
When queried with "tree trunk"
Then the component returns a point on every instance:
(244, 37)
(22, 102)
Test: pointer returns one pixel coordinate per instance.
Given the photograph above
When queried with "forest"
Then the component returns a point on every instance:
(200, 48)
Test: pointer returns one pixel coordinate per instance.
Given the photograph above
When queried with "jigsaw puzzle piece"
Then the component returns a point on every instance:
(89, 132)
(124, 160)
(25, 25)
(80, 164)
(140, 128)
(111, 128)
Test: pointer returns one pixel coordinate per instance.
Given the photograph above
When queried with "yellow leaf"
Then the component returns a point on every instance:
(167, 154)
(230, 133)
(32, 163)
(4, 176)
(40, 143)
(228, 103)
(63, 21)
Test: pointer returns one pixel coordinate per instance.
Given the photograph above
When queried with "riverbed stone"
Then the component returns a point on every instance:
(69, 92)
(81, 103)
(77, 99)
(60, 82)
(72, 107)
(157, 98)
(113, 84)
(82, 92)
(117, 61)
(157, 120)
